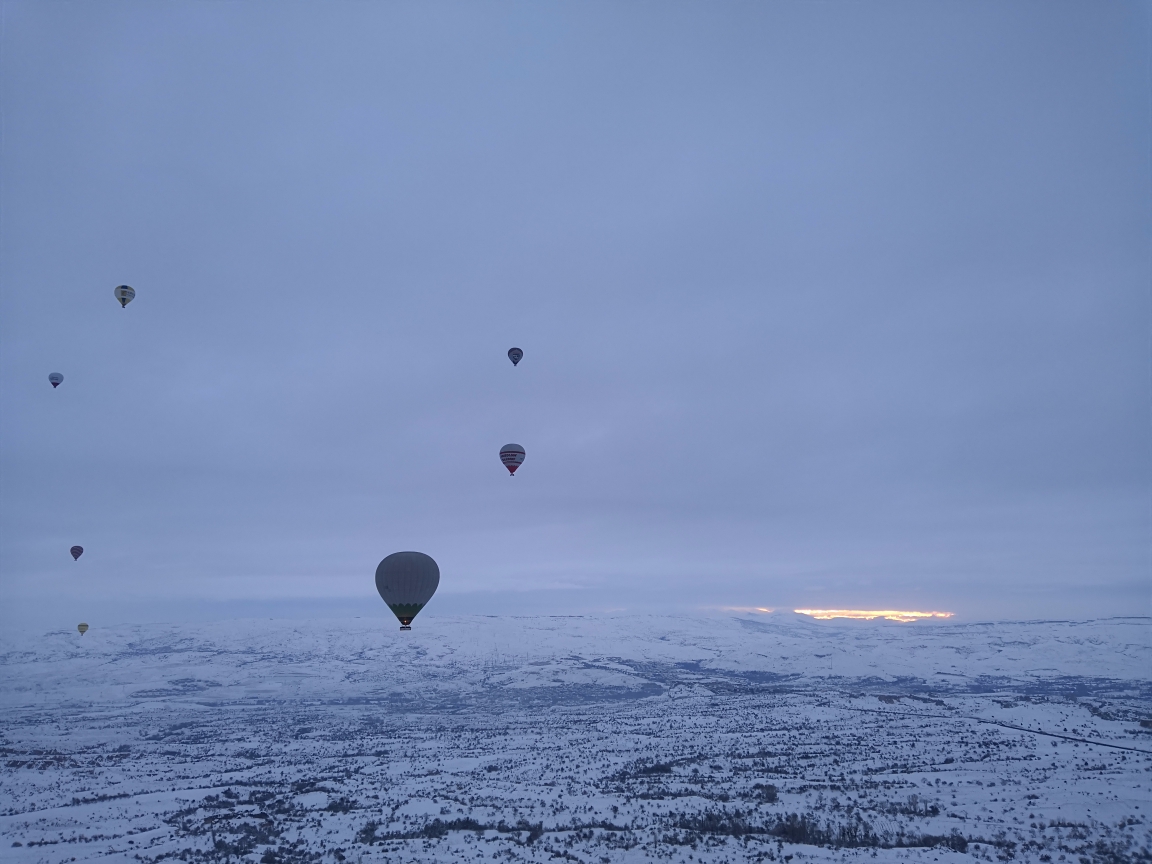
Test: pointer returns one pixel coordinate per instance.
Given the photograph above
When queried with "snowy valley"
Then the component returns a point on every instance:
(715, 737)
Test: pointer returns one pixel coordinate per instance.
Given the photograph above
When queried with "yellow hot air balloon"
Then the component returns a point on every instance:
(83, 628)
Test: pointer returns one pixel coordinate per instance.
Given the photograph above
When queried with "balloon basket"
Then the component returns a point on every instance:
(405, 627)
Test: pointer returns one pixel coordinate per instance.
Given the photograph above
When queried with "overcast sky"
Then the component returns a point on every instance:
(823, 304)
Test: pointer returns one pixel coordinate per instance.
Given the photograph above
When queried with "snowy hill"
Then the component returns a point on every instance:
(725, 736)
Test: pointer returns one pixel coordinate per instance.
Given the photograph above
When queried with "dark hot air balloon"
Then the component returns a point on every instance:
(124, 293)
(76, 551)
(512, 455)
(55, 379)
(83, 628)
(406, 581)
(515, 355)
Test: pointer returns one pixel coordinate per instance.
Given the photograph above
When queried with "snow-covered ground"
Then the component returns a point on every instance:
(723, 737)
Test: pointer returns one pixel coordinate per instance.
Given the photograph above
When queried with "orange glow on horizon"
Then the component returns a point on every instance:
(869, 614)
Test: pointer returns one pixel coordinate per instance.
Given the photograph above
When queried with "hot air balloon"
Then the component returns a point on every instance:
(76, 551)
(55, 379)
(515, 355)
(512, 455)
(407, 581)
(83, 628)
(124, 293)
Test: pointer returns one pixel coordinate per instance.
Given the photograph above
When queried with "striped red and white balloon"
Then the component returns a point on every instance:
(55, 379)
(512, 455)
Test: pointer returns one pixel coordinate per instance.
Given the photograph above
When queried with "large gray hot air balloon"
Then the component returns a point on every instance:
(124, 293)
(512, 455)
(407, 581)
(55, 379)
(515, 355)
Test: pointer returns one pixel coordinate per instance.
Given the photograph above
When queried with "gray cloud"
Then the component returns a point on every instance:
(821, 304)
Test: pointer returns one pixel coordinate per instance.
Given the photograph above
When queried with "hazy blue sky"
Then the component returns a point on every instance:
(822, 303)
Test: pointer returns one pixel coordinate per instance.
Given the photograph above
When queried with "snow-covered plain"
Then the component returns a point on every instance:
(721, 737)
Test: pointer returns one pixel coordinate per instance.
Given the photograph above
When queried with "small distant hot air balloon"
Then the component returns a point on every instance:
(512, 455)
(83, 628)
(76, 551)
(515, 355)
(124, 293)
(55, 379)
(406, 581)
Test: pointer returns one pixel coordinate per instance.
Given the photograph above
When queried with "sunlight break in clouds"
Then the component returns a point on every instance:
(869, 614)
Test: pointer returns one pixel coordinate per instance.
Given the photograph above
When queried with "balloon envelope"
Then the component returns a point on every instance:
(76, 551)
(83, 628)
(515, 355)
(124, 293)
(56, 379)
(512, 455)
(406, 582)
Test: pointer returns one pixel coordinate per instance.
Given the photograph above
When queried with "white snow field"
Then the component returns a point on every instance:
(715, 737)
